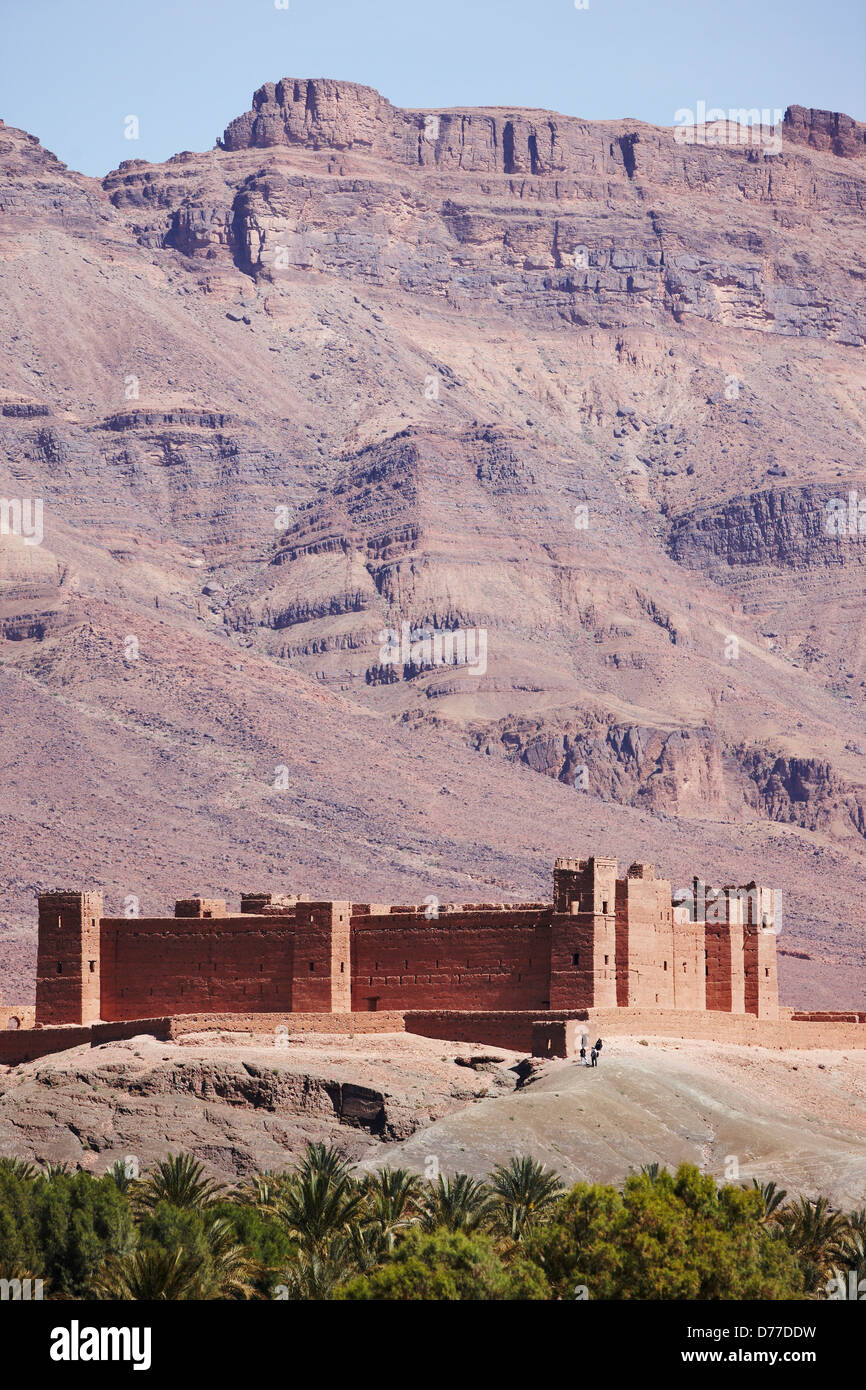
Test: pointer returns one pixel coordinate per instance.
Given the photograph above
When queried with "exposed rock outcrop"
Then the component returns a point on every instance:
(825, 130)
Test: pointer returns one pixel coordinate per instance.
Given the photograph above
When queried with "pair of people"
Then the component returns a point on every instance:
(594, 1052)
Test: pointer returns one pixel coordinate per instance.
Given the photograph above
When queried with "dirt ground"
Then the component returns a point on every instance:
(240, 1104)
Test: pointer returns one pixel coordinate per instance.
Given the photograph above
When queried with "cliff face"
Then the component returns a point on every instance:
(825, 130)
(590, 222)
(322, 114)
(574, 385)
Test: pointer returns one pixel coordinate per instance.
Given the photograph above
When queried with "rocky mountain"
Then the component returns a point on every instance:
(583, 399)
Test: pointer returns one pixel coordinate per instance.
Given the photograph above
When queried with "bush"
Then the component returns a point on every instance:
(447, 1265)
(665, 1237)
(62, 1228)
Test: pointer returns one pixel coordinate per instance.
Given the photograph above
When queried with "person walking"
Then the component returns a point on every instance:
(594, 1056)
(598, 1045)
(583, 1055)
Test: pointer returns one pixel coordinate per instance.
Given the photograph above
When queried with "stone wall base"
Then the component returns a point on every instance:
(556, 1033)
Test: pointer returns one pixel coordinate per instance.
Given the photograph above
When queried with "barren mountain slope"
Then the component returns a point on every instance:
(361, 367)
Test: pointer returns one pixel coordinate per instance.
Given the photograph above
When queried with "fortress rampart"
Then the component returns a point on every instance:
(606, 955)
(604, 942)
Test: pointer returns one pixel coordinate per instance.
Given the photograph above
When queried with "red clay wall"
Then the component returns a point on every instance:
(690, 980)
(129, 1028)
(719, 965)
(556, 1038)
(512, 1030)
(322, 967)
(462, 960)
(744, 1029)
(26, 1044)
(583, 959)
(823, 1016)
(645, 943)
(509, 1029)
(738, 967)
(621, 937)
(287, 1025)
(761, 989)
(617, 944)
(174, 965)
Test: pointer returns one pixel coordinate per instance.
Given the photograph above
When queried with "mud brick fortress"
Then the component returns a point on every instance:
(608, 951)
(604, 942)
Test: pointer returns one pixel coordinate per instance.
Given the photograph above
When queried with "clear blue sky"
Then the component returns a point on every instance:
(72, 70)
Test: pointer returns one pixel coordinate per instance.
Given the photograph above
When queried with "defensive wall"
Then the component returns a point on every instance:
(542, 1034)
(616, 952)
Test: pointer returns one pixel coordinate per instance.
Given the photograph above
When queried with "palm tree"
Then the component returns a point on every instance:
(363, 1247)
(653, 1171)
(224, 1270)
(772, 1197)
(816, 1233)
(12, 1270)
(320, 1199)
(180, 1180)
(230, 1272)
(857, 1222)
(853, 1243)
(457, 1204)
(19, 1168)
(55, 1170)
(314, 1274)
(324, 1159)
(151, 1275)
(260, 1191)
(392, 1203)
(848, 1276)
(523, 1192)
(123, 1180)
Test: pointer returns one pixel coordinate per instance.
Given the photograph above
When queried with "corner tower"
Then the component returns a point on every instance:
(67, 961)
